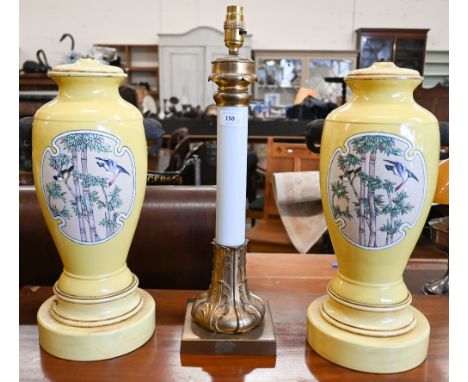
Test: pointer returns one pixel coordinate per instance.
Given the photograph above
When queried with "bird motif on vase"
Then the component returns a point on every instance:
(401, 171)
(111, 166)
(350, 175)
(63, 175)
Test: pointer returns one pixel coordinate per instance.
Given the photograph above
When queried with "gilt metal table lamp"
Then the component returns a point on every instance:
(228, 308)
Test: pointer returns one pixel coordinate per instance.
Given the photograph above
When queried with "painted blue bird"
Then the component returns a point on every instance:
(111, 166)
(401, 171)
(63, 175)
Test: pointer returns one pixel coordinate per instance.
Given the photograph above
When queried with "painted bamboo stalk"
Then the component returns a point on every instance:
(76, 183)
(362, 197)
(107, 212)
(371, 195)
(389, 237)
(89, 208)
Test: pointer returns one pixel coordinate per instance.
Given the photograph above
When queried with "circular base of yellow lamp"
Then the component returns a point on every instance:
(365, 353)
(98, 342)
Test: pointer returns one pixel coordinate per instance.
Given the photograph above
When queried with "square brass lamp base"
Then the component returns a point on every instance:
(259, 341)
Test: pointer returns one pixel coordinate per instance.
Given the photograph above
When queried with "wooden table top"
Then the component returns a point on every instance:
(290, 282)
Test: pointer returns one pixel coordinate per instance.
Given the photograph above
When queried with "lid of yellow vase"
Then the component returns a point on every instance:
(86, 67)
(384, 70)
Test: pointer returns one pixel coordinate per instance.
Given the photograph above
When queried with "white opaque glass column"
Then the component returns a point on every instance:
(231, 175)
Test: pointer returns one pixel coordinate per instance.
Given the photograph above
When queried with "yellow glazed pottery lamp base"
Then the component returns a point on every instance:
(379, 157)
(90, 162)
(347, 347)
(78, 339)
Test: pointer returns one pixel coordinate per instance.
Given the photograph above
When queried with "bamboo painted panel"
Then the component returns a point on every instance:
(376, 189)
(88, 183)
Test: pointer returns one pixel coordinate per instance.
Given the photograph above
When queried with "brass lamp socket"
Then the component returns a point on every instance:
(234, 28)
(233, 74)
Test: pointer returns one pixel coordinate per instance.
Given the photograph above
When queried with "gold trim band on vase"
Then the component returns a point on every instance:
(368, 323)
(367, 307)
(95, 311)
(85, 323)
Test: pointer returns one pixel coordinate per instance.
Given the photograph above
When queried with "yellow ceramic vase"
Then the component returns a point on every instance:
(378, 171)
(90, 164)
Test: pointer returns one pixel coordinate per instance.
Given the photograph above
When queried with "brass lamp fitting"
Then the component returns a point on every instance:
(233, 74)
(234, 28)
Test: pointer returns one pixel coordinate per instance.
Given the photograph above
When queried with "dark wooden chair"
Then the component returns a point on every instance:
(206, 152)
(188, 174)
(179, 154)
(176, 136)
(129, 94)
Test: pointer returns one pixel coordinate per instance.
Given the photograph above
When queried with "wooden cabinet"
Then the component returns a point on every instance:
(140, 62)
(405, 47)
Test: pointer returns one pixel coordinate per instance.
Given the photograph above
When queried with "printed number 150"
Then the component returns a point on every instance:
(229, 118)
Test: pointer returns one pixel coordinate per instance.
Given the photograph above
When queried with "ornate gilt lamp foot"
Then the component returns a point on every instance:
(228, 306)
(228, 318)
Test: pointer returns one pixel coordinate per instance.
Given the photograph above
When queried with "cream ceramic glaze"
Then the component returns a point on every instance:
(90, 163)
(378, 170)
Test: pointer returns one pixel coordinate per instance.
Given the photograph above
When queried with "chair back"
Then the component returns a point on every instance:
(176, 136)
(179, 153)
(188, 175)
(435, 99)
(129, 94)
(206, 152)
